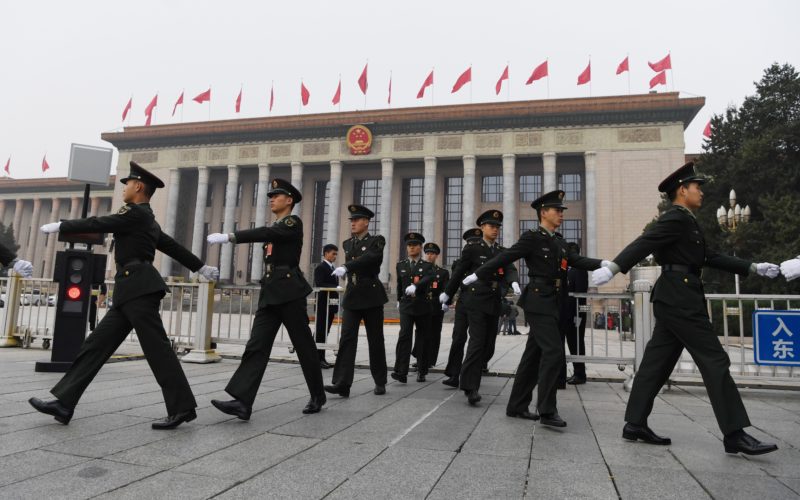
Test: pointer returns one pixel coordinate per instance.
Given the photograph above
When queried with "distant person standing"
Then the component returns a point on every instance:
(324, 278)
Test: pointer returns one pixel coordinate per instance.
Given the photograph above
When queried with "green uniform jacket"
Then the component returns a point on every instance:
(363, 263)
(137, 236)
(486, 294)
(676, 238)
(283, 242)
(420, 275)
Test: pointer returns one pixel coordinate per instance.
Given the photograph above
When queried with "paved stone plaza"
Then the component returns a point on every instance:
(417, 441)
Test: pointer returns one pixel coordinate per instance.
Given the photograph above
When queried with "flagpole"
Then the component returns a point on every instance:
(548, 77)
(365, 90)
(209, 102)
(433, 83)
(508, 82)
(390, 89)
(470, 83)
(271, 95)
(627, 56)
(671, 71)
(184, 97)
(300, 104)
(340, 95)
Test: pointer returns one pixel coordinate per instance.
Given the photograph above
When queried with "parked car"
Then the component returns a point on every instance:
(34, 298)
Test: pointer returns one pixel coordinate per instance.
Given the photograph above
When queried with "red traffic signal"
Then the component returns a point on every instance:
(74, 292)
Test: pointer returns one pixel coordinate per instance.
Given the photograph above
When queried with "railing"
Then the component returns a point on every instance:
(28, 311)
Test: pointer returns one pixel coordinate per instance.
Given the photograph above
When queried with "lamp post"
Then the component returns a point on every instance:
(732, 219)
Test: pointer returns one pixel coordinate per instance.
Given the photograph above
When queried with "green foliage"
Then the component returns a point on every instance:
(7, 237)
(755, 149)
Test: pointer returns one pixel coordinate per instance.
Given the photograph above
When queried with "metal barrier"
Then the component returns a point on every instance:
(28, 311)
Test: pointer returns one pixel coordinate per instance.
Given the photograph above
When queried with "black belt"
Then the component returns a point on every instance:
(134, 262)
(538, 280)
(681, 268)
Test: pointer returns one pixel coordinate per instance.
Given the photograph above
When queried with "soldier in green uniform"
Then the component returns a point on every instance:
(440, 279)
(137, 295)
(547, 256)
(282, 301)
(677, 243)
(482, 299)
(458, 339)
(414, 275)
(20, 267)
(363, 299)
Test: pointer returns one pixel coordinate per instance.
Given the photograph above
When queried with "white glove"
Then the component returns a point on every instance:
(443, 298)
(790, 269)
(515, 287)
(339, 271)
(398, 304)
(216, 238)
(209, 273)
(23, 268)
(605, 263)
(768, 270)
(445, 307)
(472, 278)
(52, 227)
(578, 321)
(411, 290)
(601, 276)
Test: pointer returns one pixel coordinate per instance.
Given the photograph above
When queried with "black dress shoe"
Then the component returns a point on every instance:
(315, 403)
(473, 397)
(522, 414)
(743, 442)
(173, 421)
(323, 363)
(379, 390)
(55, 408)
(636, 432)
(561, 385)
(420, 377)
(553, 420)
(234, 407)
(341, 390)
(451, 382)
(399, 378)
(413, 365)
(573, 380)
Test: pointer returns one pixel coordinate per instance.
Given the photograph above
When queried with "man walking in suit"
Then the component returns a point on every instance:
(441, 276)
(137, 296)
(282, 301)
(677, 243)
(363, 299)
(324, 278)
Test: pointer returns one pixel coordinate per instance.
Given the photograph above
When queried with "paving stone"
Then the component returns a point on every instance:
(475, 476)
(170, 484)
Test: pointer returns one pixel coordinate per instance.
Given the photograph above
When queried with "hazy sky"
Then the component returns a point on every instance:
(68, 68)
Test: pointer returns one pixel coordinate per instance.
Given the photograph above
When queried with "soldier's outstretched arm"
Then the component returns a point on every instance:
(520, 249)
(664, 232)
(167, 245)
(579, 261)
(371, 256)
(288, 229)
(128, 217)
(727, 263)
(459, 271)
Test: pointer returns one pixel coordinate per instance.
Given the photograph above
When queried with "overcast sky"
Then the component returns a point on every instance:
(69, 68)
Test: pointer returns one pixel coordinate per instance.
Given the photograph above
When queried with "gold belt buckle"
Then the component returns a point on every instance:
(557, 282)
(494, 285)
(353, 279)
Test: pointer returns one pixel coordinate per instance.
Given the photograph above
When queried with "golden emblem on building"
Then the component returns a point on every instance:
(359, 140)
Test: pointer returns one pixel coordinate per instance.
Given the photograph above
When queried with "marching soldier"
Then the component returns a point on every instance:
(137, 296)
(677, 243)
(460, 322)
(413, 277)
(547, 256)
(363, 299)
(282, 301)
(440, 279)
(9, 259)
(482, 299)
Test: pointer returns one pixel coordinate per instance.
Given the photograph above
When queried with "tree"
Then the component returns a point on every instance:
(7, 238)
(755, 149)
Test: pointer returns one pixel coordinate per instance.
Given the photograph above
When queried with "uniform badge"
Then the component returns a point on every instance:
(363, 248)
(290, 222)
(124, 209)
(561, 195)
(268, 249)
(274, 184)
(496, 215)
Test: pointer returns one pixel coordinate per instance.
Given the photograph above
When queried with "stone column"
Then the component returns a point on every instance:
(297, 181)
(334, 202)
(173, 193)
(590, 161)
(30, 251)
(227, 226)
(50, 254)
(387, 176)
(549, 181)
(429, 199)
(198, 229)
(510, 234)
(75, 207)
(257, 266)
(18, 209)
(468, 193)
(95, 206)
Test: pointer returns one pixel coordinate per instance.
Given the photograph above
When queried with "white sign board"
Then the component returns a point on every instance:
(89, 164)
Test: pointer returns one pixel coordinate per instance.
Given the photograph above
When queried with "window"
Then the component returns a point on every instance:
(411, 219)
(572, 231)
(319, 228)
(239, 194)
(571, 185)
(453, 211)
(525, 225)
(204, 252)
(530, 187)
(210, 195)
(492, 189)
(254, 202)
(367, 192)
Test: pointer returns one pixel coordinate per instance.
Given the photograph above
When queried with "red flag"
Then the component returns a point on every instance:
(538, 73)
(389, 101)
(45, 165)
(659, 79)
(203, 96)
(499, 84)
(127, 108)
(8, 166)
(304, 94)
(464, 79)
(338, 95)
(271, 96)
(623, 66)
(239, 101)
(148, 111)
(706, 132)
(362, 80)
(586, 75)
(661, 65)
(428, 82)
(177, 103)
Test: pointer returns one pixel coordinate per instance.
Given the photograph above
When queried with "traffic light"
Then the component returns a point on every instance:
(76, 282)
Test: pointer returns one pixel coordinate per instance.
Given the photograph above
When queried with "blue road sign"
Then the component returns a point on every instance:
(776, 337)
